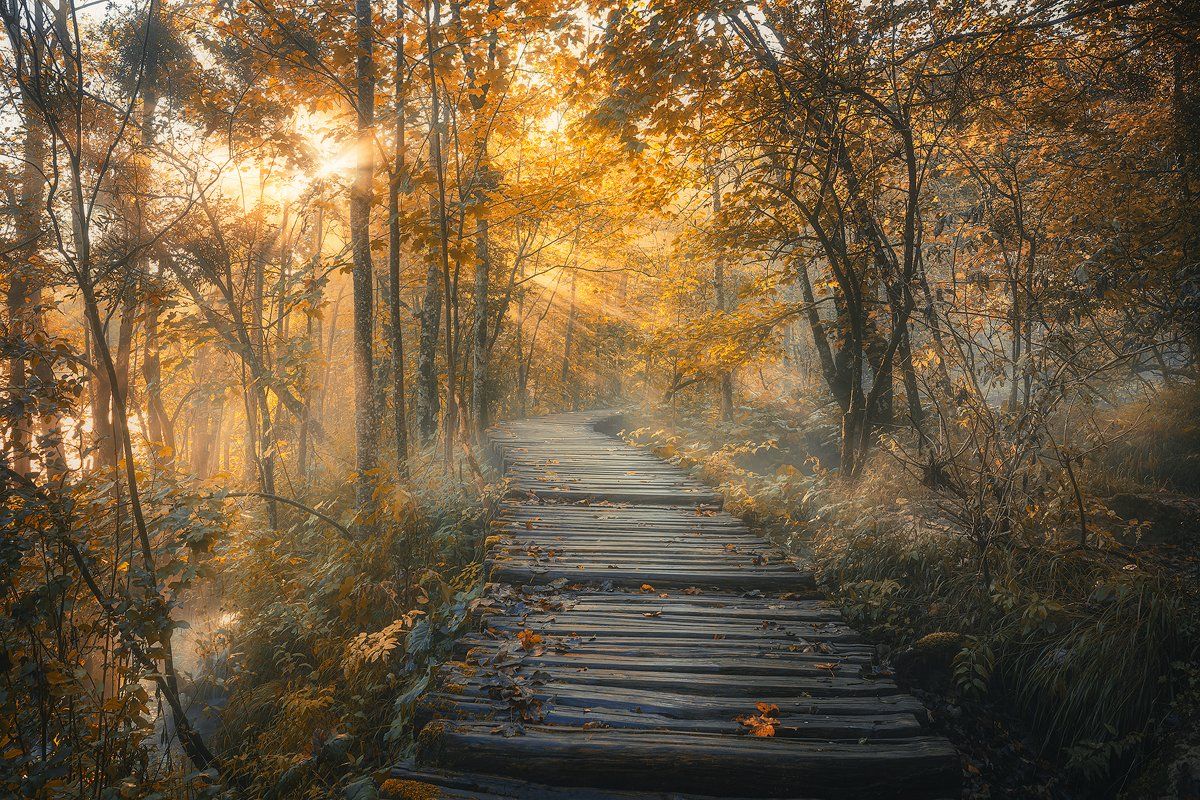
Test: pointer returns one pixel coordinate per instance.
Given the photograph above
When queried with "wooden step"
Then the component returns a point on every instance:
(915, 767)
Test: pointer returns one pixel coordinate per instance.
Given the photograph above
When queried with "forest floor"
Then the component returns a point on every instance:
(770, 466)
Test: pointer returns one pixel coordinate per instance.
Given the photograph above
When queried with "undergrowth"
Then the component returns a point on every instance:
(328, 639)
(1155, 442)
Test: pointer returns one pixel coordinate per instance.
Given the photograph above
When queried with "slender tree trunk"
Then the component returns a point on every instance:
(431, 315)
(912, 390)
(24, 295)
(259, 442)
(480, 412)
(437, 156)
(207, 412)
(267, 450)
(522, 364)
(1031, 266)
(312, 331)
(1015, 326)
(725, 380)
(935, 328)
(398, 179)
(568, 340)
(107, 423)
(485, 180)
(101, 441)
(161, 427)
(366, 422)
(816, 327)
(252, 469)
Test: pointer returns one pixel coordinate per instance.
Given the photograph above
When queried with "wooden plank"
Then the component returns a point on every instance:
(663, 577)
(467, 786)
(753, 687)
(789, 726)
(691, 706)
(723, 765)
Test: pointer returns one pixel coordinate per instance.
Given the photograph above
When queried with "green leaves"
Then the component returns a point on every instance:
(973, 668)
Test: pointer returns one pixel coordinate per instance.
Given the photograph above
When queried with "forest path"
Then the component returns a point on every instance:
(631, 626)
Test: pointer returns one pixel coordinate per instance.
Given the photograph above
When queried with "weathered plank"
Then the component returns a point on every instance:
(915, 767)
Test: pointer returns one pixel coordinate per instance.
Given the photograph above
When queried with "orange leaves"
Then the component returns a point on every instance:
(763, 723)
(529, 640)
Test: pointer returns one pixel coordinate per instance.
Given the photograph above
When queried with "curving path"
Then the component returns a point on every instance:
(634, 639)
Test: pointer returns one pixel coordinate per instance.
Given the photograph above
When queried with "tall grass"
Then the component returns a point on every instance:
(1155, 442)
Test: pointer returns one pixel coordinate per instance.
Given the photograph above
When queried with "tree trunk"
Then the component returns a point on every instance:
(565, 376)
(437, 156)
(479, 335)
(431, 315)
(24, 293)
(726, 377)
(485, 180)
(397, 180)
(161, 427)
(366, 421)
(522, 364)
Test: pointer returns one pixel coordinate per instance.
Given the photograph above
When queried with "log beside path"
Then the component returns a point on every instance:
(636, 640)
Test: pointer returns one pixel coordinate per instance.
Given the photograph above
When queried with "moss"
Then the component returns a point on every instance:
(942, 644)
(429, 740)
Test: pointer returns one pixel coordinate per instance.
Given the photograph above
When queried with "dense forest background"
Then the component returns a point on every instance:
(917, 284)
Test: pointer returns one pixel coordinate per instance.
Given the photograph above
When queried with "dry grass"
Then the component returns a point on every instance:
(1155, 443)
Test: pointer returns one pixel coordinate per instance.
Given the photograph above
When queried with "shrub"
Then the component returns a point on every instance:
(332, 639)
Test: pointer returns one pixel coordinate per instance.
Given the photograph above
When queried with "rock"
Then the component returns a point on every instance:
(929, 662)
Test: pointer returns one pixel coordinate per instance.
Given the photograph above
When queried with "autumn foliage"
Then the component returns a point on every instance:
(272, 268)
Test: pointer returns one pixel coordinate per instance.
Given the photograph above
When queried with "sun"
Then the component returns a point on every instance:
(333, 149)
(334, 159)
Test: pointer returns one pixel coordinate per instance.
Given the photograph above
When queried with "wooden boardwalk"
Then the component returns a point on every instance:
(635, 637)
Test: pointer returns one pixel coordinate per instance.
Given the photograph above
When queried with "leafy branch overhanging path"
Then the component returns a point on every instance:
(637, 638)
